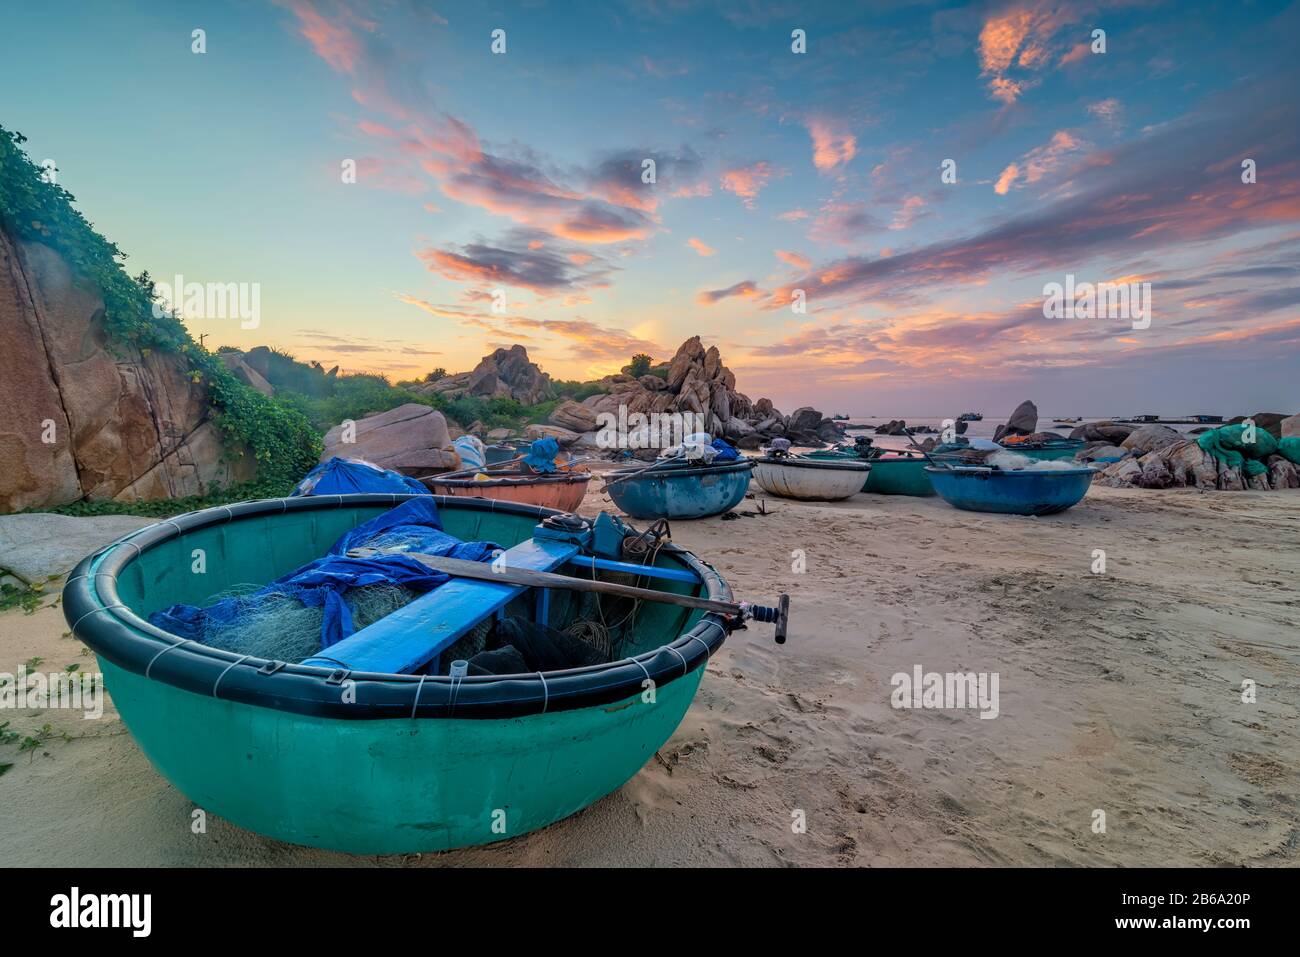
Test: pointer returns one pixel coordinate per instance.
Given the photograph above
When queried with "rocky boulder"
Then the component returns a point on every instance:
(1103, 431)
(241, 370)
(1270, 422)
(1101, 450)
(1023, 421)
(1151, 438)
(505, 373)
(1186, 464)
(562, 436)
(412, 439)
(574, 417)
(805, 419)
(1290, 427)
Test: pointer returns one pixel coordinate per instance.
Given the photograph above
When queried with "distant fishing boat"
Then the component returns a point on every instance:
(811, 479)
(680, 489)
(971, 417)
(370, 748)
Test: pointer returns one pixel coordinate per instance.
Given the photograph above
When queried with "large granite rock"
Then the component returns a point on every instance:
(1023, 421)
(509, 372)
(86, 418)
(412, 439)
(1151, 438)
(563, 436)
(245, 373)
(506, 373)
(574, 416)
(1270, 422)
(1290, 427)
(37, 545)
(1186, 464)
(1103, 432)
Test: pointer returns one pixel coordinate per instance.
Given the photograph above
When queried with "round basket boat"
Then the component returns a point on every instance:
(559, 490)
(813, 480)
(374, 763)
(894, 473)
(1054, 451)
(1013, 492)
(680, 490)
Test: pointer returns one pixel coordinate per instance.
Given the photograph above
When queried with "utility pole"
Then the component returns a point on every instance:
(202, 336)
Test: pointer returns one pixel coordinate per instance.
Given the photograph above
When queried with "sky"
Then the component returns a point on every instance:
(915, 179)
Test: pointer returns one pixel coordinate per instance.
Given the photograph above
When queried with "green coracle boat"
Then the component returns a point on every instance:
(370, 762)
(892, 473)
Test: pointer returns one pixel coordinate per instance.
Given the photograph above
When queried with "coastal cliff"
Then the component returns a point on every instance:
(86, 418)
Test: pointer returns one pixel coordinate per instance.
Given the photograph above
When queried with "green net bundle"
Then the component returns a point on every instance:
(1227, 444)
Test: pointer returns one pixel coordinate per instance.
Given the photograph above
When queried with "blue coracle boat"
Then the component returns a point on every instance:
(1013, 492)
(680, 489)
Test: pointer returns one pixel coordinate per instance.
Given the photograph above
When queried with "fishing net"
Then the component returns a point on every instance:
(279, 626)
(1012, 462)
(1228, 444)
(330, 598)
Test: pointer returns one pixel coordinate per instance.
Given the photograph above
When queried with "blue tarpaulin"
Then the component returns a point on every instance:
(344, 476)
(413, 526)
(541, 455)
(726, 451)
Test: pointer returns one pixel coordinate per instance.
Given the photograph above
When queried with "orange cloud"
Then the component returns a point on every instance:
(747, 181)
(1020, 40)
(907, 212)
(700, 247)
(1039, 162)
(831, 146)
(794, 259)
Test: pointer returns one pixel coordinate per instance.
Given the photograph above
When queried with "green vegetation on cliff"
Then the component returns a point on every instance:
(34, 209)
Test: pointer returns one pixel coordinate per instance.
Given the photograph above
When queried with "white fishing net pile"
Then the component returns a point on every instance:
(1014, 462)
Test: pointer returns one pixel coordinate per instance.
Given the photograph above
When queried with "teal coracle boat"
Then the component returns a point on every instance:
(375, 762)
(679, 489)
(1014, 492)
(892, 473)
(1053, 451)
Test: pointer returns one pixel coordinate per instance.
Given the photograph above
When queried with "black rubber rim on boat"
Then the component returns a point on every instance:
(744, 465)
(847, 465)
(99, 618)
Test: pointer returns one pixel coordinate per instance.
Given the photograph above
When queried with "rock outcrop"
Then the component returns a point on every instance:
(1023, 421)
(412, 439)
(697, 381)
(86, 418)
(1186, 464)
(506, 372)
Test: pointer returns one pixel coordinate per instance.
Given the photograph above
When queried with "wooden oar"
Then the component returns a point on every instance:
(912, 439)
(484, 571)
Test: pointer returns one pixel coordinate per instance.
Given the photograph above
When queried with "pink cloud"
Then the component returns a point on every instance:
(1017, 42)
(747, 181)
(831, 146)
(700, 247)
(794, 259)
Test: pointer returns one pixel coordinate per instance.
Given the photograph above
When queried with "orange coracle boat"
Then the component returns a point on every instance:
(563, 490)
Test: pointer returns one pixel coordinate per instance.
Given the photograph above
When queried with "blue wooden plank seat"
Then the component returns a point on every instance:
(411, 638)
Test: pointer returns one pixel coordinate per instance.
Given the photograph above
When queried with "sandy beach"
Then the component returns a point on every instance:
(1119, 692)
